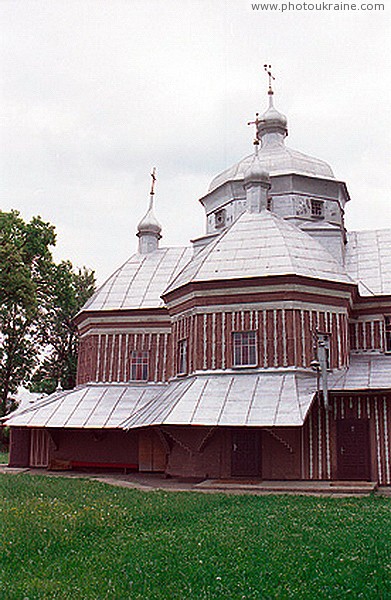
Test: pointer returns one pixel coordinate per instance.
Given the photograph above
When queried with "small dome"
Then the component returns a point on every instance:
(272, 120)
(274, 156)
(149, 224)
(256, 172)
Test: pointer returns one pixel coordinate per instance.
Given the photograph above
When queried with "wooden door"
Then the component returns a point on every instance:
(246, 453)
(39, 448)
(353, 450)
(152, 457)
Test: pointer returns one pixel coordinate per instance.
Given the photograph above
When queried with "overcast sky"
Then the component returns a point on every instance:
(95, 93)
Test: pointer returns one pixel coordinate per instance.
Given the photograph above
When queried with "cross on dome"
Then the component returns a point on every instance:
(153, 175)
(272, 121)
(149, 228)
(256, 123)
(268, 69)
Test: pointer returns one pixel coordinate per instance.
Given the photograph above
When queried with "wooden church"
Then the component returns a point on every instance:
(262, 351)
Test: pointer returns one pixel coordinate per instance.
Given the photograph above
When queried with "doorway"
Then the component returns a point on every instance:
(353, 450)
(246, 453)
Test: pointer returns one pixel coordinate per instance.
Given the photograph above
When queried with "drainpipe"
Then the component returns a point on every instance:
(320, 365)
(323, 347)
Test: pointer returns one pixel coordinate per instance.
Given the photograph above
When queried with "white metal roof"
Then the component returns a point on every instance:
(140, 282)
(95, 406)
(366, 372)
(258, 245)
(256, 399)
(277, 160)
(368, 260)
(261, 399)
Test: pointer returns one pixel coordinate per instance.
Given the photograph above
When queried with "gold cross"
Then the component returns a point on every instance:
(256, 122)
(153, 175)
(268, 69)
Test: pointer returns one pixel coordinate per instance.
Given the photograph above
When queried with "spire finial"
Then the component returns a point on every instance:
(268, 69)
(152, 192)
(149, 228)
(256, 123)
(153, 175)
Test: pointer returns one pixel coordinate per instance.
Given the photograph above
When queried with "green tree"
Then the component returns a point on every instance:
(24, 256)
(38, 300)
(66, 291)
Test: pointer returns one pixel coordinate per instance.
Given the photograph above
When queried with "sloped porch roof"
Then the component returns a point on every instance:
(267, 398)
(366, 372)
(251, 399)
(92, 406)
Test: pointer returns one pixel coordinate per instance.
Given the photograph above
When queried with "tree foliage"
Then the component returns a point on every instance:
(38, 300)
(67, 291)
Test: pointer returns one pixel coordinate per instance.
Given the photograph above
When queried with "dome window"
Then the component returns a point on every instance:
(220, 218)
(317, 209)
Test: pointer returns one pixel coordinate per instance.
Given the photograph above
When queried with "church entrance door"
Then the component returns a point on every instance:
(246, 453)
(353, 450)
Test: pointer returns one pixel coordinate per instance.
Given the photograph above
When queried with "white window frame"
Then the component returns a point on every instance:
(182, 366)
(139, 362)
(244, 349)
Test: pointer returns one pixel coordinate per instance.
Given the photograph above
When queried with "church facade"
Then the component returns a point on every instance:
(263, 351)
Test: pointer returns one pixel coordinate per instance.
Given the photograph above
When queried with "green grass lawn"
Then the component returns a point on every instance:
(69, 538)
(4, 458)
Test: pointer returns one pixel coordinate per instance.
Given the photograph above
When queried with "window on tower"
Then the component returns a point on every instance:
(317, 209)
(139, 366)
(220, 218)
(182, 358)
(387, 333)
(244, 348)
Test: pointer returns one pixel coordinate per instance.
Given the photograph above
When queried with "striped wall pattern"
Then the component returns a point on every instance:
(367, 335)
(320, 435)
(106, 357)
(285, 337)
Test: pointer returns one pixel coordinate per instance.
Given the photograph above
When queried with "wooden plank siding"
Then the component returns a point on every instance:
(284, 338)
(320, 457)
(367, 335)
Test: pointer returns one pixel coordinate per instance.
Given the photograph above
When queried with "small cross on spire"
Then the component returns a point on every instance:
(268, 69)
(256, 122)
(153, 175)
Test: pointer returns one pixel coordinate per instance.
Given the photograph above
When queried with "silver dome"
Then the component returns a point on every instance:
(278, 160)
(274, 157)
